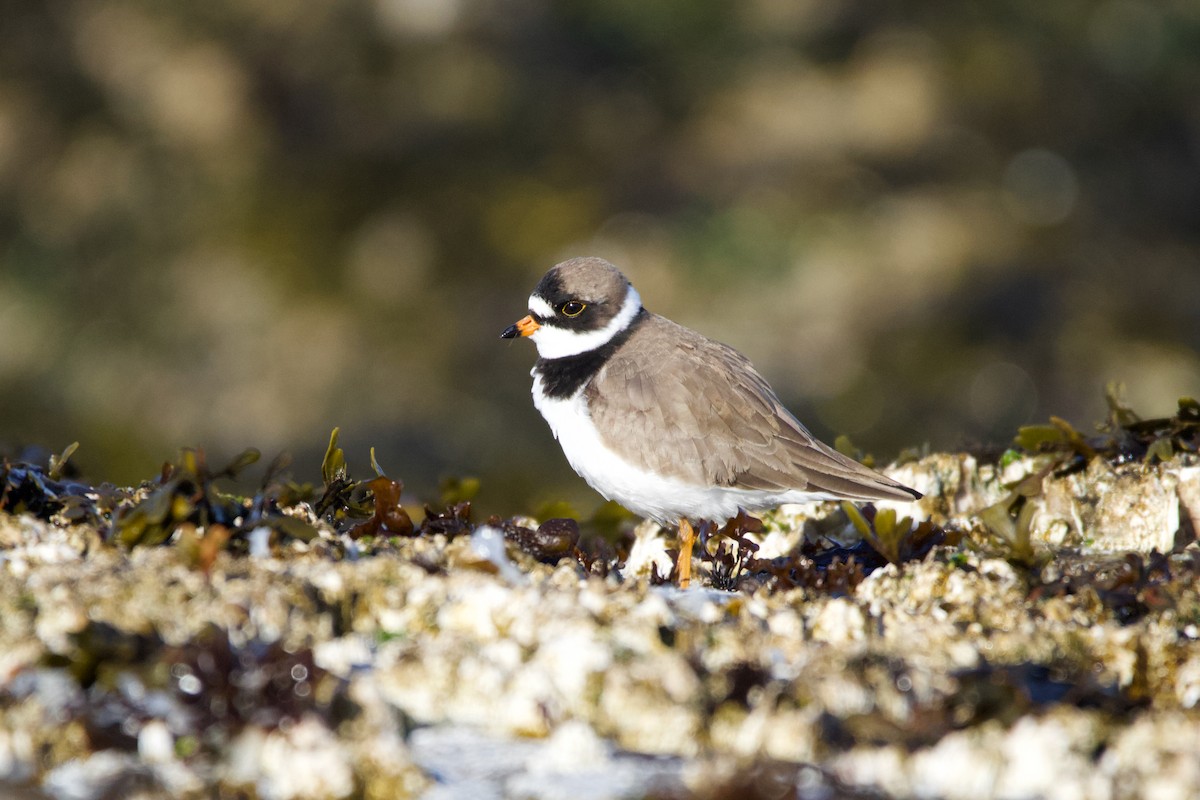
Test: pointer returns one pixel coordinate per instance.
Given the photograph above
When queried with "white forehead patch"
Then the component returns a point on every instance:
(555, 342)
(540, 307)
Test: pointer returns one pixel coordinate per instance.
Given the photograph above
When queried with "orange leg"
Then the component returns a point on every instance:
(687, 538)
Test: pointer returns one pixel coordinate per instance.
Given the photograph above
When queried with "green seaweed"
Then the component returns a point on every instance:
(1009, 527)
(895, 539)
(59, 463)
(186, 494)
(1122, 437)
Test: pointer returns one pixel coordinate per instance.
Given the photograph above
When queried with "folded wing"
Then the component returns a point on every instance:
(699, 411)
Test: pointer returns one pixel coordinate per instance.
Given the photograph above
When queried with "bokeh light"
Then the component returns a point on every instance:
(241, 224)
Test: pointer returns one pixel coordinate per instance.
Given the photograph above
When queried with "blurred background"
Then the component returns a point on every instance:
(242, 222)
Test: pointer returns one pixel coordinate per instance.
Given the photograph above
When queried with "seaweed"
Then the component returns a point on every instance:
(729, 563)
(342, 497)
(988, 692)
(186, 497)
(896, 541)
(1130, 586)
(27, 488)
(1123, 436)
(1008, 526)
(186, 494)
(816, 565)
(837, 576)
(769, 779)
(552, 541)
(229, 686)
(220, 685)
(186, 504)
(389, 517)
(451, 521)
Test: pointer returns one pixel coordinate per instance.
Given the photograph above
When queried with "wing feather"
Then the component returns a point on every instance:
(680, 404)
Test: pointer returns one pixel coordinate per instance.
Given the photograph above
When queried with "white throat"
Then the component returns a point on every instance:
(555, 342)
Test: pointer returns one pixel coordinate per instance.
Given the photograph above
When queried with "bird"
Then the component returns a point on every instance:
(670, 424)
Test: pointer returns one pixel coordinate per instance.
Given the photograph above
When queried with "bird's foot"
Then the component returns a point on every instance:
(683, 567)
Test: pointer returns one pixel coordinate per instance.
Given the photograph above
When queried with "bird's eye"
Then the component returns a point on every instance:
(572, 308)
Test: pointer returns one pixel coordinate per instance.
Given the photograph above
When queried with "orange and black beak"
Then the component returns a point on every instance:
(526, 326)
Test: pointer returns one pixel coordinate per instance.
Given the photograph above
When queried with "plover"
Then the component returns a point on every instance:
(669, 423)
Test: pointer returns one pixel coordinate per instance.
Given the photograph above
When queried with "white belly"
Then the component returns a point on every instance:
(653, 496)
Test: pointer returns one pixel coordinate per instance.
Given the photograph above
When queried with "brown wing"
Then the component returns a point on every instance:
(698, 410)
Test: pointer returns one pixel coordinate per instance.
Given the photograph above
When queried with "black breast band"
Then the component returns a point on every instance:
(563, 377)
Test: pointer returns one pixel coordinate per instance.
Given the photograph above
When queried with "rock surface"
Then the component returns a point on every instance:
(456, 666)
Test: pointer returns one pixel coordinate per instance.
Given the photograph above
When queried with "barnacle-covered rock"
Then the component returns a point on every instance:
(1033, 632)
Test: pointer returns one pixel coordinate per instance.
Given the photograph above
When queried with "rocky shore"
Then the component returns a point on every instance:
(1039, 640)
